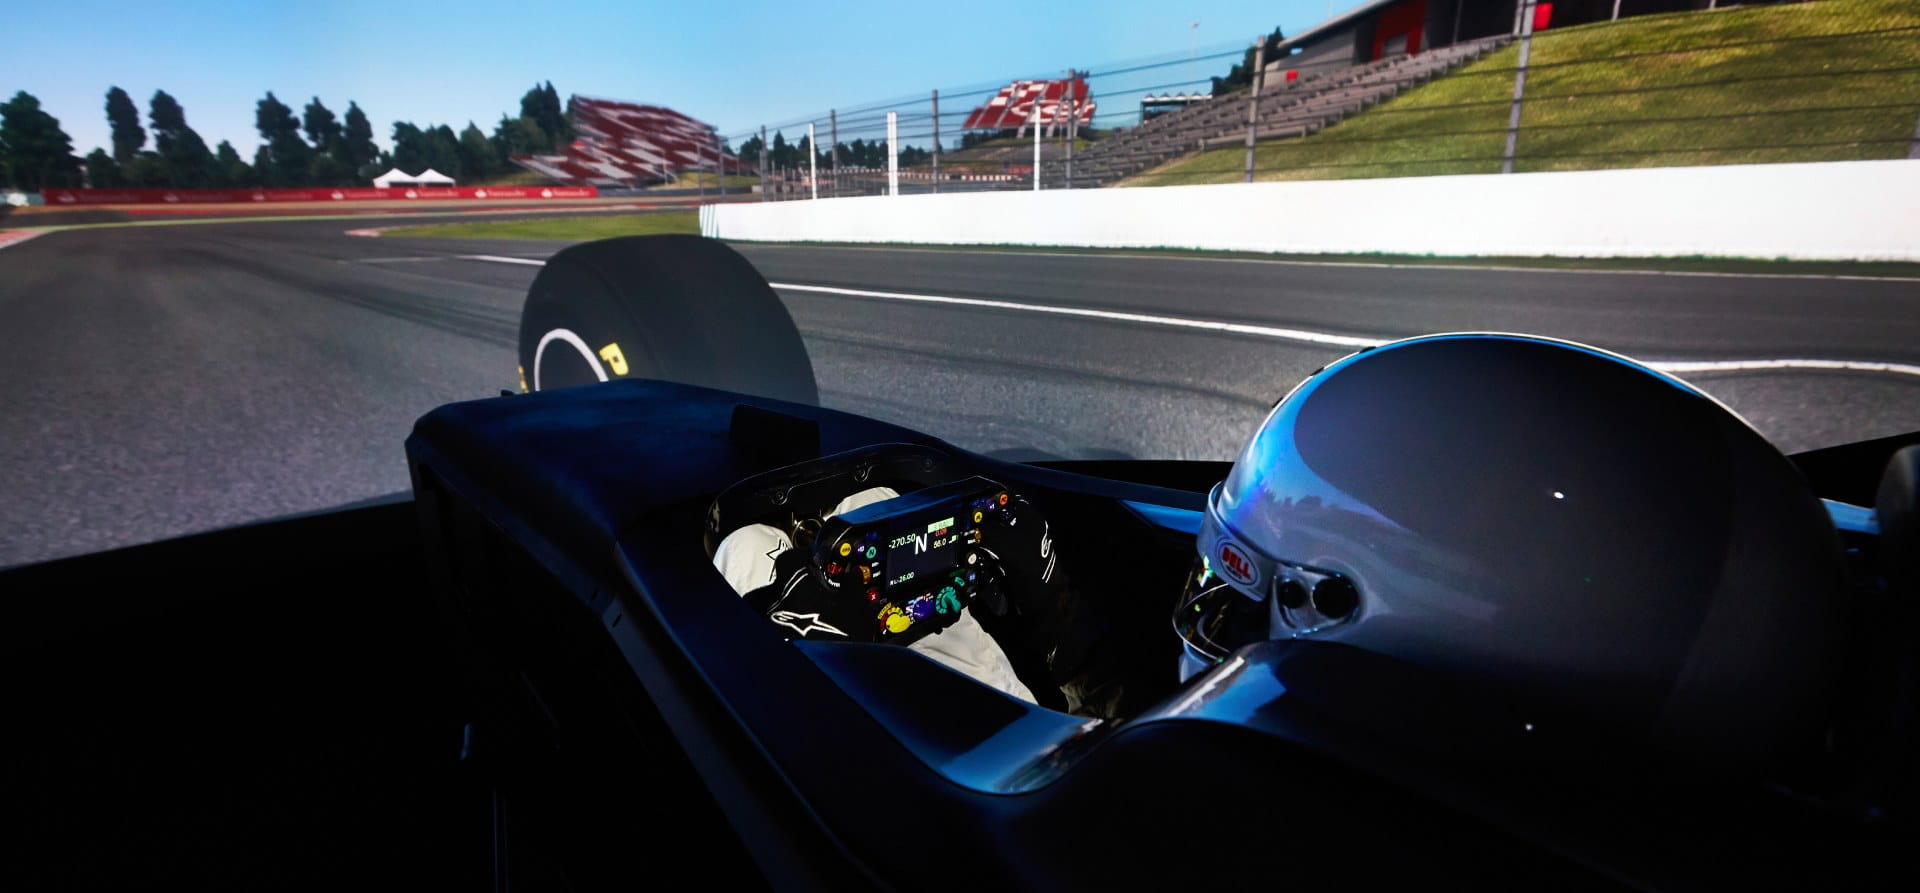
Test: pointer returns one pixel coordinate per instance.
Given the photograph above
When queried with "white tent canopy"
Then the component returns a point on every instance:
(398, 177)
(395, 177)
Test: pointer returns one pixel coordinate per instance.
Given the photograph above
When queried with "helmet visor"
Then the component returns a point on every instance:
(1213, 618)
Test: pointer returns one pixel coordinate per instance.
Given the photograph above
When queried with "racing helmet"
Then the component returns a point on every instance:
(1546, 522)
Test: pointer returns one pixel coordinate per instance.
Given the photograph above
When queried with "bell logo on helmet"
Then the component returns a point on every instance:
(1235, 565)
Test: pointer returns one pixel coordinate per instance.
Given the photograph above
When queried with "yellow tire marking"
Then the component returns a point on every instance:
(616, 360)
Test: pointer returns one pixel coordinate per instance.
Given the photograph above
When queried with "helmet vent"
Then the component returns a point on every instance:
(1335, 597)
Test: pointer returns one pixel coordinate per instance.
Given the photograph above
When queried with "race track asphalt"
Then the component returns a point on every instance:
(170, 379)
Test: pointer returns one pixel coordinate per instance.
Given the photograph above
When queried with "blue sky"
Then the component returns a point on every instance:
(733, 64)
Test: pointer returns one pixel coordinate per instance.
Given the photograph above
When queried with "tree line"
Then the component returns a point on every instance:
(312, 148)
(859, 153)
(1241, 74)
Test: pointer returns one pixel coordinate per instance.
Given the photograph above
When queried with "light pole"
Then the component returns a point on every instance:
(1193, 37)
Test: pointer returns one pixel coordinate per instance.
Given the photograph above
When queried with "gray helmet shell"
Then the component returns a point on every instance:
(1561, 525)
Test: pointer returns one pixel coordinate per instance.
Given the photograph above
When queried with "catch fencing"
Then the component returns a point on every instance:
(1579, 99)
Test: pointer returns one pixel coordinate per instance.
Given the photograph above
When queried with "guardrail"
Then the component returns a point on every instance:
(1854, 210)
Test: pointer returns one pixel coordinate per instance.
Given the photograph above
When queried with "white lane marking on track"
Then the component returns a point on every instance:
(1376, 265)
(1284, 334)
(501, 259)
(398, 260)
(1310, 337)
(1301, 335)
(1763, 365)
(532, 260)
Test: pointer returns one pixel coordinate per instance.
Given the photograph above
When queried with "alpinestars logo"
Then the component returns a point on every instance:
(804, 623)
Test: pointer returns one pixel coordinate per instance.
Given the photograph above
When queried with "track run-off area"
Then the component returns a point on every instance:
(170, 379)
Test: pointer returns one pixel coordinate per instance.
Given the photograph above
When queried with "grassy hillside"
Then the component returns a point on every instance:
(1455, 125)
(1015, 150)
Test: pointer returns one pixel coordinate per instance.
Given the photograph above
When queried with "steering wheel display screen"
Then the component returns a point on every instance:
(913, 560)
(913, 555)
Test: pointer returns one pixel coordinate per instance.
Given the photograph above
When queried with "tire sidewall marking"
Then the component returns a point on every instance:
(578, 343)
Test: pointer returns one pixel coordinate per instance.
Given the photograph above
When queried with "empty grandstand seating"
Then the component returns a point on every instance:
(1294, 109)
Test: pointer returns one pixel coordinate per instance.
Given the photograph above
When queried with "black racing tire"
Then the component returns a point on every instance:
(674, 307)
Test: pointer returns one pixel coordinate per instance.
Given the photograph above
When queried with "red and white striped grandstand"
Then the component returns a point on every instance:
(1015, 105)
(628, 144)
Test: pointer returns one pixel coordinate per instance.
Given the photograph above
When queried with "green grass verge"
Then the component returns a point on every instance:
(1766, 118)
(578, 228)
(515, 178)
(696, 179)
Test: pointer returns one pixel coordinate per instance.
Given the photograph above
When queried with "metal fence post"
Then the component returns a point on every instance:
(936, 142)
(813, 165)
(1519, 84)
(893, 153)
(1253, 98)
(1073, 131)
(763, 162)
(1033, 117)
(1073, 120)
(833, 136)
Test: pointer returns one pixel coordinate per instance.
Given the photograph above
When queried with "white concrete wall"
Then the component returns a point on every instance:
(1851, 210)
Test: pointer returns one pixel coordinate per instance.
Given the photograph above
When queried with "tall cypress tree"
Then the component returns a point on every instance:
(282, 161)
(443, 152)
(541, 105)
(189, 163)
(556, 121)
(477, 159)
(321, 127)
(409, 147)
(357, 149)
(124, 119)
(327, 165)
